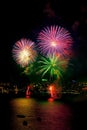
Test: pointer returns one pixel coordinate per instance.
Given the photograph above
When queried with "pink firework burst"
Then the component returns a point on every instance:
(24, 52)
(55, 39)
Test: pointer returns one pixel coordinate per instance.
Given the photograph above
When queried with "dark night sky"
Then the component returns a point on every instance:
(18, 20)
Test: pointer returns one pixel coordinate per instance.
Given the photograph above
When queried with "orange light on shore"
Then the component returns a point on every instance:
(52, 90)
(55, 92)
(51, 87)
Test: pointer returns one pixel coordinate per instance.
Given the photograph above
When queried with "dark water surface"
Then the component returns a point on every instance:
(32, 114)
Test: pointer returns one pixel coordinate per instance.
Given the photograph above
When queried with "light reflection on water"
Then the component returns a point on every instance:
(30, 114)
(41, 115)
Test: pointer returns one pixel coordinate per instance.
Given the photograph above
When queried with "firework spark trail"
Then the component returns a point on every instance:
(54, 39)
(53, 65)
(24, 52)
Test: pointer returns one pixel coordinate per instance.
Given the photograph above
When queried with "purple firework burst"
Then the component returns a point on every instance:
(55, 39)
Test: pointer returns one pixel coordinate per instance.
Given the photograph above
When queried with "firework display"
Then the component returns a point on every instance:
(54, 45)
(24, 52)
(52, 65)
(55, 39)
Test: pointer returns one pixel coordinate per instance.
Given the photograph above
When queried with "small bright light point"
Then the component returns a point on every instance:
(24, 55)
(54, 44)
(50, 88)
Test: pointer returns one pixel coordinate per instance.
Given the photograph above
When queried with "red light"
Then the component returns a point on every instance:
(50, 88)
(50, 99)
(27, 96)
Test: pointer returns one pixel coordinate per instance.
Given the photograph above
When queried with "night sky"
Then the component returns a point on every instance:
(24, 20)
